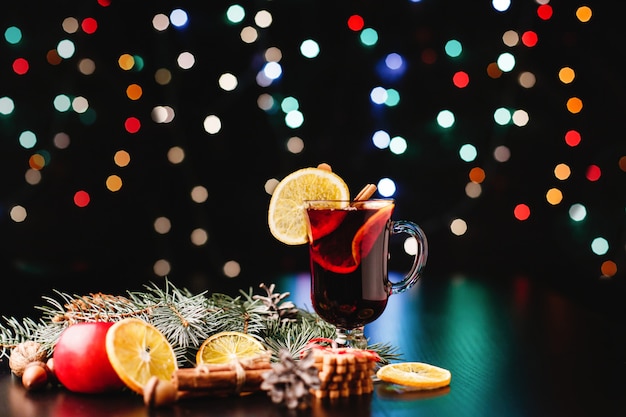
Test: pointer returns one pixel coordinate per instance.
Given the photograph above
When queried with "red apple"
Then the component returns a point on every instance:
(80, 359)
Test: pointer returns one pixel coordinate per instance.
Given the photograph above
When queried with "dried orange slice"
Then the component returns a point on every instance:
(415, 374)
(227, 347)
(138, 351)
(286, 218)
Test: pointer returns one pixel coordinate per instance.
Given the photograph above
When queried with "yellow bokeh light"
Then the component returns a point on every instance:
(566, 75)
(37, 161)
(126, 62)
(562, 171)
(584, 13)
(121, 158)
(574, 105)
(114, 183)
(134, 91)
(554, 196)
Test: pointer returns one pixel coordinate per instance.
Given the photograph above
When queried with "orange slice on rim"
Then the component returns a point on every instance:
(286, 218)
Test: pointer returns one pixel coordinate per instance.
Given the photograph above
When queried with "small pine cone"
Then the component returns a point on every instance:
(25, 353)
(290, 381)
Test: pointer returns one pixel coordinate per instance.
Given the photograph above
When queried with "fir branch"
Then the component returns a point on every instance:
(15, 332)
(237, 314)
(185, 319)
(293, 338)
(387, 352)
(181, 316)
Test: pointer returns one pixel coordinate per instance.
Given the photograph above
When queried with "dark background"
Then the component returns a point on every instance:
(111, 245)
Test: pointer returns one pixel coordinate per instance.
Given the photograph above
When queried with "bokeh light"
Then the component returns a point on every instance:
(136, 111)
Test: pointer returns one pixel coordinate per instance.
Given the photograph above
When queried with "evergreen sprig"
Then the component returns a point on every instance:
(184, 318)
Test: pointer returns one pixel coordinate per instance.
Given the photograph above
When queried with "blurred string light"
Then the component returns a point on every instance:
(235, 14)
(179, 18)
(390, 67)
(309, 48)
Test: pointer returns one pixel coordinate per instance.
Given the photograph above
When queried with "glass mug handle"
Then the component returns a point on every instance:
(419, 260)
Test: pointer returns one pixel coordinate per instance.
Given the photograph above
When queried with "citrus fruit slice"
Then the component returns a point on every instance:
(353, 241)
(286, 218)
(368, 234)
(227, 347)
(138, 351)
(415, 374)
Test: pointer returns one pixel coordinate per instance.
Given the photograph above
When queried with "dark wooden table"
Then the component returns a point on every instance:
(514, 349)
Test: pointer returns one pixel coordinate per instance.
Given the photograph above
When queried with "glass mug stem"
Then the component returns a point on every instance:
(353, 338)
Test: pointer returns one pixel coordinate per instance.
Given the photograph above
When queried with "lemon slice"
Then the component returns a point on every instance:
(228, 347)
(415, 374)
(286, 217)
(138, 351)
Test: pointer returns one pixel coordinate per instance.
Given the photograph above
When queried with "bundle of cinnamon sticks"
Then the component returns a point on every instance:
(234, 377)
(207, 380)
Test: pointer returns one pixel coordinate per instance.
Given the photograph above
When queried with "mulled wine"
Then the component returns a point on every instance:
(349, 286)
(349, 251)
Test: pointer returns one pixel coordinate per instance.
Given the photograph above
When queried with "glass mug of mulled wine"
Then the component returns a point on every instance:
(349, 253)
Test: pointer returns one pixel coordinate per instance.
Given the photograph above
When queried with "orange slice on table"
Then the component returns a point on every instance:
(138, 351)
(415, 374)
(286, 217)
(227, 347)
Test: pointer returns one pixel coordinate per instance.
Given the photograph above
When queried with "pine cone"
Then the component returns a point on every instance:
(290, 381)
(285, 311)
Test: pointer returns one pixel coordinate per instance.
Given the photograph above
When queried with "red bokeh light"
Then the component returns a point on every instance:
(460, 79)
(572, 138)
(81, 198)
(20, 66)
(89, 25)
(593, 173)
(544, 11)
(530, 38)
(355, 22)
(132, 125)
(521, 212)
